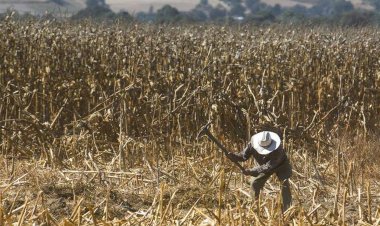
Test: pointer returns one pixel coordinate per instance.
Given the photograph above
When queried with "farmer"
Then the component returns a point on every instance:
(267, 150)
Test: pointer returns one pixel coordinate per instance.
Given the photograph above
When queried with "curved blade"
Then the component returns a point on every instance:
(203, 130)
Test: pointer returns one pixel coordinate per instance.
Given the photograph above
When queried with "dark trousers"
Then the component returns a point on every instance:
(283, 172)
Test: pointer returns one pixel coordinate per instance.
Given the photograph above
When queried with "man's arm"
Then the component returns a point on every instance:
(274, 161)
(242, 156)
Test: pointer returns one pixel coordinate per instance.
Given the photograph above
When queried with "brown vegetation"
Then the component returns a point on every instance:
(98, 123)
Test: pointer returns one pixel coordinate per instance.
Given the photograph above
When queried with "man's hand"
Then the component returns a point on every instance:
(250, 172)
(231, 156)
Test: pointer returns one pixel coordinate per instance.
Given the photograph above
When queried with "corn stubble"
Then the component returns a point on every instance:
(98, 123)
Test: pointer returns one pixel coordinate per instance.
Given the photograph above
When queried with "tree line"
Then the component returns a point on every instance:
(339, 12)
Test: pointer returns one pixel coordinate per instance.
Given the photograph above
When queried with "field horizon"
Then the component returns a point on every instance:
(133, 6)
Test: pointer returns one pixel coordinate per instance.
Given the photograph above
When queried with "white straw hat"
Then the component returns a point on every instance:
(265, 142)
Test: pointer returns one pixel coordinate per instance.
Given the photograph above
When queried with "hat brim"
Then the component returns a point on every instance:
(276, 141)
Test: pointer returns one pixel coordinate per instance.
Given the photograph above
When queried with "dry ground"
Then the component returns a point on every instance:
(191, 188)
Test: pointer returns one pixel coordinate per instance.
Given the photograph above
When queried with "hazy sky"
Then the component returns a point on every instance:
(138, 5)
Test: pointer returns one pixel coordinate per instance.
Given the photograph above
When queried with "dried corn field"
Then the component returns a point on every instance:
(98, 123)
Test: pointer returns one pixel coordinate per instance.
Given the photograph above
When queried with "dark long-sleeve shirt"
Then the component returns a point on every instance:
(267, 163)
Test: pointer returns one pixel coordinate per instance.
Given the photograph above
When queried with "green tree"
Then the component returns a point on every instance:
(218, 13)
(357, 18)
(256, 5)
(203, 2)
(236, 7)
(261, 17)
(374, 3)
(96, 3)
(331, 8)
(96, 9)
(197, 15)
(59, 2)
(168, 14)
(237, 10)
(124, 16)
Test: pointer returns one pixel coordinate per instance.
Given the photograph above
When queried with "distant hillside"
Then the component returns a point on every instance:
(184, 5)
(42, 6)
(356, 3)
(132, 6)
